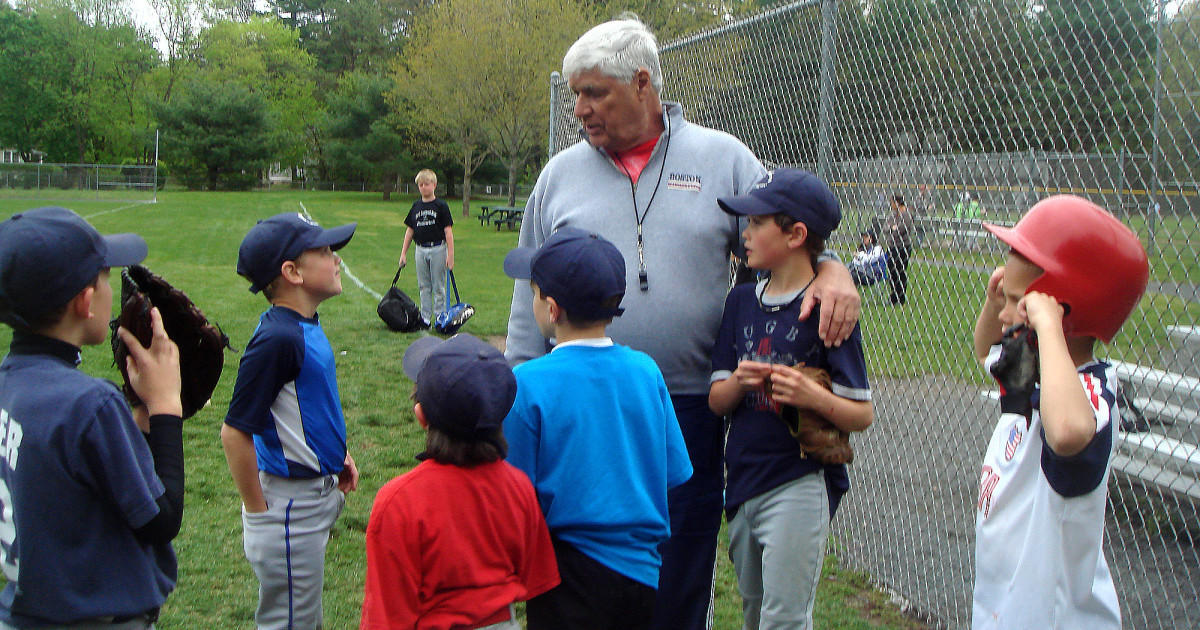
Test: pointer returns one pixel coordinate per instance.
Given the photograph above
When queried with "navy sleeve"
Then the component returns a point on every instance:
(115, 459)
(409, 220)
(271, 360)
(445, 217)
(848, 367)
(1083, 472)
(724, 354)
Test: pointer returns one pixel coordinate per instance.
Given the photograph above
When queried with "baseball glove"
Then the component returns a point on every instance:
(1016, 369)
(201, 344)
(819, 439)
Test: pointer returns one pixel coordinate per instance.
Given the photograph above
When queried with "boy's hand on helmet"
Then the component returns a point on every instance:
(1042, 312)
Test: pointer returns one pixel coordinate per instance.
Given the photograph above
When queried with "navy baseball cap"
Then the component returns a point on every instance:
(464, 385)
(577, 268)
(792, 192)
(48, 255)
(281, 238)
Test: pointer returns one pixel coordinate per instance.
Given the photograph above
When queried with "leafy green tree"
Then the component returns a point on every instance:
(362, 139)
(350, 35)
(25, 104)
(83, 103)
(263, 55)
(220, 135)
(525, 41)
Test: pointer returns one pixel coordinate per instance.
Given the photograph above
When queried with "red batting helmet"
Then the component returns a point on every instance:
(1091, 262)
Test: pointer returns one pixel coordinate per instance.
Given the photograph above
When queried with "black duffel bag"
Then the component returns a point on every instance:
(398, 311)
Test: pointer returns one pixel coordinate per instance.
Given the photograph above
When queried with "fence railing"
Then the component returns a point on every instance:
(1010, 104)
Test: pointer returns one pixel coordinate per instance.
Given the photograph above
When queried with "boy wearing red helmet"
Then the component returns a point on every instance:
(1073, 276)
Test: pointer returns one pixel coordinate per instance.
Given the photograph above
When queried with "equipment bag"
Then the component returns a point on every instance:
(398, 311)
(449, 322)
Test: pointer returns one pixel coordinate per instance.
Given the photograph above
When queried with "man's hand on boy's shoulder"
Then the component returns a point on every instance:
(154, 371)
(840, 303)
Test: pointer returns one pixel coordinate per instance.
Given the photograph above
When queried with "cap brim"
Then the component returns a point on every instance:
(518, 263)
(335, 238)
(124, 250)
(745, 205)
(418, 351)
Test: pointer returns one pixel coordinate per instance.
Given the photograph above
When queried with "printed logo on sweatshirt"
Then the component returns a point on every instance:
(681, 181)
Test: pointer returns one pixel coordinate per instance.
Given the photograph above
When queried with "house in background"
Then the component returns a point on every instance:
(13, 156)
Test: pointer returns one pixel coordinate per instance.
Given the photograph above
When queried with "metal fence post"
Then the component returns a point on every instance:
(828, 70)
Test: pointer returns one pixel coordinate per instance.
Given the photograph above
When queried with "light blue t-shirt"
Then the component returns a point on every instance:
(594, 428)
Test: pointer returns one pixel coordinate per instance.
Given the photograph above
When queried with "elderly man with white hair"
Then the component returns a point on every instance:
(648, 180)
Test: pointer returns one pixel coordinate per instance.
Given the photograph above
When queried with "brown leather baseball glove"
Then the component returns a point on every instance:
(819, 439)
(201, 344)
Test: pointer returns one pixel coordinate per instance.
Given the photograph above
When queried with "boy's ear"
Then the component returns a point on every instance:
(419, 412)
(797, 235)
(555, 310)
(81, 305)
(290, 272)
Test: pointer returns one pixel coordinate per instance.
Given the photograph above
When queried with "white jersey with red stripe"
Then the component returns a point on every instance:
(1039, 524)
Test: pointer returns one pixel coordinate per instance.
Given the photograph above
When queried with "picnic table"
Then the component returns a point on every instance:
(503, 216)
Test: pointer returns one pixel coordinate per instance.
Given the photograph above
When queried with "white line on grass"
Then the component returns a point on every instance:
(345, 267)
(118, 209)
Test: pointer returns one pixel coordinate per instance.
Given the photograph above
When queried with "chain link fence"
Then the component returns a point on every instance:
(79, 182)
(1008, 102)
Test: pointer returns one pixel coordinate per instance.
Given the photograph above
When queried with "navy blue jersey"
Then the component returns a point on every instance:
(760, 452)
(76, 480)
(286, 396)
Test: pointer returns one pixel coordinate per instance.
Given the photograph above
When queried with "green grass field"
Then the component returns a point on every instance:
(193, 241)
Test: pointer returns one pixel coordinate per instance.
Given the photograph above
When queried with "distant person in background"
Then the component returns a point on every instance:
(897, 234)
(431, 227)
(968, 213)
(869, 263)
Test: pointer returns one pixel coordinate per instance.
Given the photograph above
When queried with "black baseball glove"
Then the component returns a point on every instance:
(201, 344)
(1017, 370)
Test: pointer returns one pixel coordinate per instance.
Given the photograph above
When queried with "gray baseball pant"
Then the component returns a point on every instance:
(777, 545)
(431, 280)
(286, 548)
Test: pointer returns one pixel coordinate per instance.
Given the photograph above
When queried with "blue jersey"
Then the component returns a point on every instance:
(77, 478)
(760, 452)
(594, 428)
(286, 396)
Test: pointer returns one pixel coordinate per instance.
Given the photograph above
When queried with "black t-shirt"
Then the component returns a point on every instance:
(429, 220)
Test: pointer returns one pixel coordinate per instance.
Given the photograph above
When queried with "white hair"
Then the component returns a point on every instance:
(618, 49)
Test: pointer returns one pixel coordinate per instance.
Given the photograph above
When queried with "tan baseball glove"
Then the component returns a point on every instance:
(819, 439)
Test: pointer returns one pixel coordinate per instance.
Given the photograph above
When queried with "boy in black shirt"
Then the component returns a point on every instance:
(430, 226)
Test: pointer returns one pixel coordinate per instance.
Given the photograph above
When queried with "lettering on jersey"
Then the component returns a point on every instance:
(10, 439)
(1015, 435)
(10, 433)
(681, 181)
(987, 485)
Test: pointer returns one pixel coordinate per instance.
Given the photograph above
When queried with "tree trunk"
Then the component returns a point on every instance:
(388, 180)
(512, 182)
(466, 185)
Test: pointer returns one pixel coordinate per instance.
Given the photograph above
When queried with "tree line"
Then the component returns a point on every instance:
(348, 90)
(373, 90)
